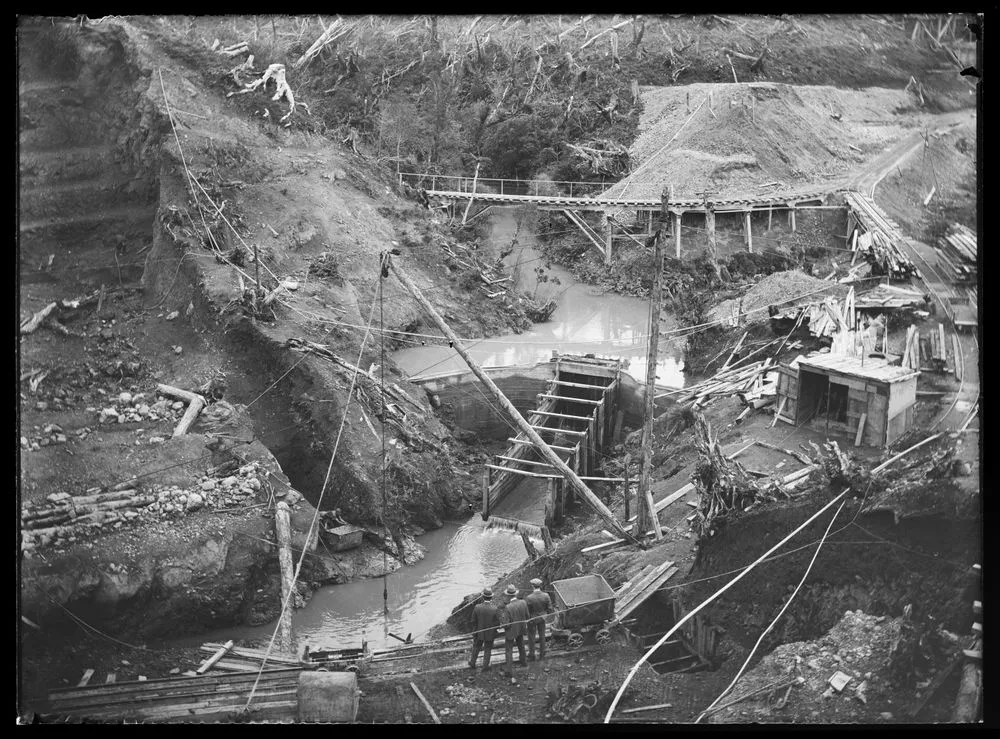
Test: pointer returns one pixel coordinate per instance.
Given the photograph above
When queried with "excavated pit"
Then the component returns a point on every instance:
(867, 564)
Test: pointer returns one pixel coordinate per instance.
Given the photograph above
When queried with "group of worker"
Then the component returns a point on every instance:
(518, 617)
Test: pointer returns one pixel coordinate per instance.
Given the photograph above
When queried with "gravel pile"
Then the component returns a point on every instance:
(780, 288)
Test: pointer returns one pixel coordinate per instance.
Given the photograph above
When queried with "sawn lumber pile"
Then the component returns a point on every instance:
(959, 249)
(198, 698)
(880, 238)
(749, 381)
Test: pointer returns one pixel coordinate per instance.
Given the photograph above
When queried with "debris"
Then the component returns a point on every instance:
(839, 680)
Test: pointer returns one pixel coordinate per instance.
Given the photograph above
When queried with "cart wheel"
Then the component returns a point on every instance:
(575, 640)
(603, 636)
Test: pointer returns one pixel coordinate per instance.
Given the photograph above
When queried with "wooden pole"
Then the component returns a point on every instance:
(282, 529)
(628, 492)
(713, 253)
(647, 513)
(677, 233)
(256, 269)
(544, 449)
(475, 179)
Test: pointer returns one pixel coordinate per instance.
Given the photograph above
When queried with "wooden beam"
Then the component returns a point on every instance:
(749, 232)
(427, 705)
(676, 217)
(559, 431)
(524, 461)
(526, 442)
(564, 383)
(88, 673)
(559, 415)
(861, 429)
(524, 473)
(568, 399)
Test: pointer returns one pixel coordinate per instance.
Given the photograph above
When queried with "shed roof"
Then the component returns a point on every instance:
(872, 368)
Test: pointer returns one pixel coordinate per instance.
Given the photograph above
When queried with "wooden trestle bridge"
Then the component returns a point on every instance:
(576, 416)
(559, 195)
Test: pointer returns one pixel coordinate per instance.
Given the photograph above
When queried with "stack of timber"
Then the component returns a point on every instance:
(642, 588)
(746, 380)
(248, 659)
(879, 238)
(890, 297)
(911, 350)
(934, 349)
(959, 249)
(209, 698)
(63, 515)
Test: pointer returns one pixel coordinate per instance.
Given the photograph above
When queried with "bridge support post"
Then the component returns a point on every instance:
(749, 234)
(770, 212)
(791, 216)
(607, 240)
(676, 215)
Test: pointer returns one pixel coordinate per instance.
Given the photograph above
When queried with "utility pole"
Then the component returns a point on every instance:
(544, 449)
(648, 515)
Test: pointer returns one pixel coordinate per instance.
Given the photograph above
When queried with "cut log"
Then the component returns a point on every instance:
(207, 664)
(282, 529)
(189, 417)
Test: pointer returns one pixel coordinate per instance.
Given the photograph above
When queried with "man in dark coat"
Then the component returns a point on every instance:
(539, 603)
(486, 616)
(515, 624)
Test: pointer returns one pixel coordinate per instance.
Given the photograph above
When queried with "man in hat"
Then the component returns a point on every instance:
(486, 617)
(539, 603)
(515, 623)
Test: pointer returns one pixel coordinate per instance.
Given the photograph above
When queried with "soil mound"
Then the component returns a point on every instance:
(755, 138)
(781, 288)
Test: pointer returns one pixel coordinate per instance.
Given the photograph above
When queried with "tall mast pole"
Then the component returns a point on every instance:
(649, 517)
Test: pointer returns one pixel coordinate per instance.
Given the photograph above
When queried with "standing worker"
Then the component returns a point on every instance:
(487, 618)
(515, 624)
(539, 603)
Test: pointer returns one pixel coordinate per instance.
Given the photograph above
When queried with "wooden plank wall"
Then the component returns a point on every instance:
(788, 388)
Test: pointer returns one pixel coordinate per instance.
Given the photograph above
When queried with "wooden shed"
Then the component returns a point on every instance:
(841, 393)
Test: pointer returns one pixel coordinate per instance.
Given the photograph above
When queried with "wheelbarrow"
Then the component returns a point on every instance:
(584, 605)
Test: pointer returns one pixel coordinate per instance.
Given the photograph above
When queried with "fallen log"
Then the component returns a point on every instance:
(37, 319)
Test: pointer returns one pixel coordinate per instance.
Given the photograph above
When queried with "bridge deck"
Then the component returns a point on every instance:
(678, 205)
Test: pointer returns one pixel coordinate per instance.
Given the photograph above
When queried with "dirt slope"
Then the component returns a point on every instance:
(106, 199)
(758, 137)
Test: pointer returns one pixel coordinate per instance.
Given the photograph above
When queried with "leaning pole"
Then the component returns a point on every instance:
(546, 451)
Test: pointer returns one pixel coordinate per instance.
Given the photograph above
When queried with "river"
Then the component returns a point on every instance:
(463, 558)
(586, 320)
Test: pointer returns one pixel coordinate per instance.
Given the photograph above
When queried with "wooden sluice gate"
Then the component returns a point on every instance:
(575, 416)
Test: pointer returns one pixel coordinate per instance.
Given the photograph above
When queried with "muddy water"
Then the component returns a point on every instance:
(585, 321)
(461, 559)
